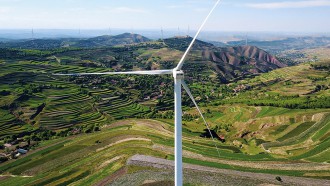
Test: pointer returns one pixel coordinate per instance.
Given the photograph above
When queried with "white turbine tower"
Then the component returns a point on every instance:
(178, 76)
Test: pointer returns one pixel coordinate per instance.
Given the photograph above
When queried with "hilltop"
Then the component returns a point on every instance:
(106, 40)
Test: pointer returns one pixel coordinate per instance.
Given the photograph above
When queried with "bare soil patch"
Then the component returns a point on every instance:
(255, 178)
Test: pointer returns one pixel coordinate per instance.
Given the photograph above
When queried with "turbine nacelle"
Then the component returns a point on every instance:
(178, 74)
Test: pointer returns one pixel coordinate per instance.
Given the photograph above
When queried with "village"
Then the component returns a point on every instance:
(15, 148)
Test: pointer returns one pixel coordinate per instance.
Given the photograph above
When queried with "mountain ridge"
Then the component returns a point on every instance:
(100, 41)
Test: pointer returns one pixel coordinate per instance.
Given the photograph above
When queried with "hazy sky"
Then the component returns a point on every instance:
(232, 15)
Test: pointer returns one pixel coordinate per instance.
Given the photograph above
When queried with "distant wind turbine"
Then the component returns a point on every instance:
(178, 76)
(32, 34)
(246, 39)
(162, 31)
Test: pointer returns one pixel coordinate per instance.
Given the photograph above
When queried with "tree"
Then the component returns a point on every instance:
(27, 139)
(3, 159)
(88, 129)
(279, 179)
(96, 128)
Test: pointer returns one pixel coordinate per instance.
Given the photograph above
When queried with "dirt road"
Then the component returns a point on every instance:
(261, 178)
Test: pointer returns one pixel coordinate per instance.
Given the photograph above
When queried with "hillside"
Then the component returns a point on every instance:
(291, 50)
(101, 41)
(227, 62)
(101, 158)
(274, 122)
(235, 62)
(302, 86)
(292, 43)
(42, 44)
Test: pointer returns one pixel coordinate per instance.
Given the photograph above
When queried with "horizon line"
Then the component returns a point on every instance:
(169, 29)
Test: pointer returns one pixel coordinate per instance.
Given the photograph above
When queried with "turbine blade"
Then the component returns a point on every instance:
(179, 66)
(149, 72)
(200, 112)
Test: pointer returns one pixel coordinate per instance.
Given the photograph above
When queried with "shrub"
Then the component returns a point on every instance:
(3, 159)
(279, 179)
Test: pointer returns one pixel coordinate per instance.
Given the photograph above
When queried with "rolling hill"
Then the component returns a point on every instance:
(101, 41)
(292, 43)
(228, 63)
(106, 41)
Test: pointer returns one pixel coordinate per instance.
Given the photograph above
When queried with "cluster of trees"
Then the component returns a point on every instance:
(189, 117)
(324, 65)
(31, 54)
(5, 93)
(79, 129)
(167, 115)
(37, 135)
(33, 88)
(156, 114)
(44, 134)
(222, 126)
(41, 135)
(284, 101)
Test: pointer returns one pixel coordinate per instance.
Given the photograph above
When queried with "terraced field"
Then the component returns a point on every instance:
(306, 141)
(278, 131)
(119, 108)
(69, 110)
(9, 124)
(296, 73)
(65, 103)
(94, 158)
(69, 107)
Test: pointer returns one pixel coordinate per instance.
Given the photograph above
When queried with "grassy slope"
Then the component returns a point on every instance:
(292, 87)
(80, 161)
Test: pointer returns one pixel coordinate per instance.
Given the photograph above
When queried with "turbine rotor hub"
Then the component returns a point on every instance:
(178, 74)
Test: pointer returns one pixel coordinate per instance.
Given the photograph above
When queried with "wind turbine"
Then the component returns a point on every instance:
(32, 34)
(162, 31)
(178, 76)
(246, 39)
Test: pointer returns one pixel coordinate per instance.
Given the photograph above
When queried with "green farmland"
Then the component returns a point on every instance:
(82, 130)
(89, 159)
